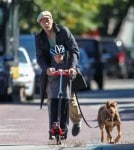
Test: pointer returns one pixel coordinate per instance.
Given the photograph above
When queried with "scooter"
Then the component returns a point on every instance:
(56, 130)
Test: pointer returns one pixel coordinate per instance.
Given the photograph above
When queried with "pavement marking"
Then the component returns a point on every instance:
(5, 130)
(9, 129)
(7, 133)
(20, 119)
(7, 125)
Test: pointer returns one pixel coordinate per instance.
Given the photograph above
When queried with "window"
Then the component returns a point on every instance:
(1, 63)
(27, 41)
(22, 58)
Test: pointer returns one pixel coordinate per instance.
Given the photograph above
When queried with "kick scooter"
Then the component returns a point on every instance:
(56, 130)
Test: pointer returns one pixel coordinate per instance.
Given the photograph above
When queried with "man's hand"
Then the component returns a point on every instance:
(50, 71)
(72, 72)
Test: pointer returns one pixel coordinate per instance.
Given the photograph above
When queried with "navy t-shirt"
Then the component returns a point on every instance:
(54, 82)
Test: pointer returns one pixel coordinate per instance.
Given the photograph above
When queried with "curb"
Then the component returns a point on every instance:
(59, 147)
(111, 147)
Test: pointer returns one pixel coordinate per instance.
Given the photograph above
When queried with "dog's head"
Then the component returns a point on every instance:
(111, 107)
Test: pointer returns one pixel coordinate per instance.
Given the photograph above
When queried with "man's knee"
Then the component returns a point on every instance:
(73, 100)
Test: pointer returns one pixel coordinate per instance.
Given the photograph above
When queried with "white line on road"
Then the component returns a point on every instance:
(20, 119)
(7, 133)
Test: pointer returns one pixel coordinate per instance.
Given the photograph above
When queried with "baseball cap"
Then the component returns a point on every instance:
(44, 14)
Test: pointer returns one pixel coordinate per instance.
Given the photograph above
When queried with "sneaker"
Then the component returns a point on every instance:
(64, 135)
(51, 137)
(76, 129)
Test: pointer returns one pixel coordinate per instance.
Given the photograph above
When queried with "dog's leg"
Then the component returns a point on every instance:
(119, 134)
(102, 133)
(109, 136)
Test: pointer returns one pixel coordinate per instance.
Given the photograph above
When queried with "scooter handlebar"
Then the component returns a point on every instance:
(61, 72)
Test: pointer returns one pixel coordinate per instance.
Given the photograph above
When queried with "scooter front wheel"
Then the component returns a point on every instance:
(58, 140)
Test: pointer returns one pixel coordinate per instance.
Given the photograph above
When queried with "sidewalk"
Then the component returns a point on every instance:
(61, 147)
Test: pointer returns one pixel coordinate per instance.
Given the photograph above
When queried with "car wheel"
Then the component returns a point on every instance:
(15, 96)
(99, 81)
(98, 77)
(31, 97)
(124, 73)
(22, 94)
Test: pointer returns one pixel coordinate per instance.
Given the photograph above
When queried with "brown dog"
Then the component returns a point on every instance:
(108, 117)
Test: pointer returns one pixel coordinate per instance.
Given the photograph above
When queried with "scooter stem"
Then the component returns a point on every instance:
(60, 94)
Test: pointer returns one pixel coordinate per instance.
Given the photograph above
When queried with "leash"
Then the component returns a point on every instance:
(82, 113)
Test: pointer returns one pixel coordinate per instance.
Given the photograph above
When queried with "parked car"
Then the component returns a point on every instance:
(130, 64)
(85, 67)
(91, 46)
(26, 77)
(115, 58)
(6, 86)
(28, 41)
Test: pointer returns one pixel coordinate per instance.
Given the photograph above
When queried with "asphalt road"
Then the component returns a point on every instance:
(25, 126)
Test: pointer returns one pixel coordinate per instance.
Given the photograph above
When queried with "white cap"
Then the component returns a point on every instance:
(44, 14)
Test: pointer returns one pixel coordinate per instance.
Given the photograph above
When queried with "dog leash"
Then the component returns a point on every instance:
(82, 113)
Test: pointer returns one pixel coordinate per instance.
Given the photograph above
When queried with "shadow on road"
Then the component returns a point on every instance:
(95, 94)
(127, 113)
(118, 93)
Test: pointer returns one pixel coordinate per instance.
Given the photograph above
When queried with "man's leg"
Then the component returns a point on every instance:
(75, 115)
(64, 122)
(53, 115)
(49, 112)
(53, 111)
(64, 114)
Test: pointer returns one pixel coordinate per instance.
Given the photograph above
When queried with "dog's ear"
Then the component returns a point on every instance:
(108, 104)
(114, 103)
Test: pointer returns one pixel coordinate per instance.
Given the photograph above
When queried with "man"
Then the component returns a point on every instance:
(50, 35)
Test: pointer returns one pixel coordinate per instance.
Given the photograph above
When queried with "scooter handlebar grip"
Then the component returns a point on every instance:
(58, 73)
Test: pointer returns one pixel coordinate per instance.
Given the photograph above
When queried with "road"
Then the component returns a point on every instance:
(25, 126)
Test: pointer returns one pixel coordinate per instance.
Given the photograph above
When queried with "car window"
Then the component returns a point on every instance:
(1, 63)
(83, 57)
(88, 46)
(28, 43)
(22, 58)
(109, 47)
(91, 47)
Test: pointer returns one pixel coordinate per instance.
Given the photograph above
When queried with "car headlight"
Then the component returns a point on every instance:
(15, 72)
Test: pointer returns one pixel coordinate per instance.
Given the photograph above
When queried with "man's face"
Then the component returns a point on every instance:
(46, 23)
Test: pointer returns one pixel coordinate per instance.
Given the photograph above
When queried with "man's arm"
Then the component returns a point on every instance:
(72, 46)
(40, 56)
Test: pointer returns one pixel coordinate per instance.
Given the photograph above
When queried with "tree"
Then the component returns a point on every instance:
(112, 16)
(79, 16)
